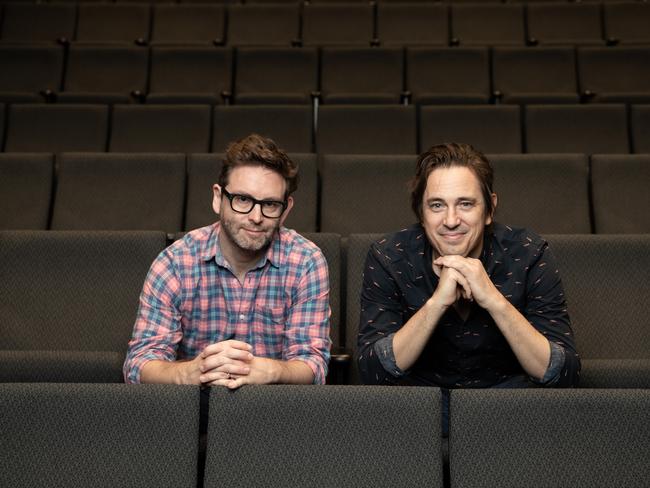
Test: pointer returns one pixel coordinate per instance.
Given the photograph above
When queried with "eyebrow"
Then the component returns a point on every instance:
(245, 194)
(458, 200)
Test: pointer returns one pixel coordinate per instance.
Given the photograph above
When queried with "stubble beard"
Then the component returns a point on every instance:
(235, 234)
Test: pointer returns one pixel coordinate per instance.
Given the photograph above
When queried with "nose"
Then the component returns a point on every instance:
(451, 218)
(255, 215)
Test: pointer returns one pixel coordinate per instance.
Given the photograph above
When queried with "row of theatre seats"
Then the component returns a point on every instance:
(333, 75)
(342, 194)
(309, 436)
(329, 129)
(360, 23)
(68, 302)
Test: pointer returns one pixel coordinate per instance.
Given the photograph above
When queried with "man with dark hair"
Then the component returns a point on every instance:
(459, 301)
(242, 301)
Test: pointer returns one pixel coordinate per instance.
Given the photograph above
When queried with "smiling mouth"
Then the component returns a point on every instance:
(453, 237)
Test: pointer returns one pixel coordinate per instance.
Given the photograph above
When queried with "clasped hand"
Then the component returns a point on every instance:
(463, 277)
(232, 364)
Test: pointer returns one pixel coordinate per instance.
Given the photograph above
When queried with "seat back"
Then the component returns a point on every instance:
(409, 24)
(587, 129)
(160, 128)
(487, 24)
(188, 24)
(619, 193)
(26, 182)
(535, 437)
(56, 128)
(354, 24)
(38, 22)
(361, 194)
(606, 287)
(339, 420)
(263, 25)
(99, 435)
(565, 23)
(546, 193)
(112, 191)
(366, 129)
(72, 291)
(127, 23)
(289, 126)
(490, 129)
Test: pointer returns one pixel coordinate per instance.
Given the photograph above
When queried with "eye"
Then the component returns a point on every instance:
(243, 199)
(466, 205)
(436, 206)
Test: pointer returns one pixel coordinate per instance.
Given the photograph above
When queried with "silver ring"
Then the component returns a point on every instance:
(229, 376)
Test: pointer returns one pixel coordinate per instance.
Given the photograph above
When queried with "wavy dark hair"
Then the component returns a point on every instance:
(448, 155)
(257, 150)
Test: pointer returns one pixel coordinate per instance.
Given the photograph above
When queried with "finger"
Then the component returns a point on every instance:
(214, 376)
(225, 364)
(466, 290)
(237, 382)
(218, 347)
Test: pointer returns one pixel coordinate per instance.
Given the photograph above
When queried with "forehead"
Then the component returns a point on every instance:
(453, 182)
(257, 181)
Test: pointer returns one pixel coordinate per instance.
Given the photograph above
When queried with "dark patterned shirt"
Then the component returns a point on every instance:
(399, 279)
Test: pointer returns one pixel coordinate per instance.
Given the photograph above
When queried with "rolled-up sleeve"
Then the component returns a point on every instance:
(307, 329)
(381, 316)
(157, 331)
(546, 310)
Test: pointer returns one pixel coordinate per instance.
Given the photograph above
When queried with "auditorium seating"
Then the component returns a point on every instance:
(26, 182)
(68, 302)
(263, 24)
(532, 437)
(619, 192)
(290, 126)
(492, 129)
(366, 129)
(615, 75)
(105, 74)
(407, 24)
(564, 23)
(190, 74)
(354, 24)
(56, 128)
(640, 121)
(188, 24)
(290, 75)
(364, 75)
(362, 194)
(324, 434)
(89, 435)
(30, 73)
(113, 191)
(113, 23)
(627, 22)
(38, 23)
(548, 193)
(487, 24)
(160, 128)
(540, 75)
(587, 129)
(604, 277)
(447, 76)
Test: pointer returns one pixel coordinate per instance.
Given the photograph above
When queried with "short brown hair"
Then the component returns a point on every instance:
(257, 150)
(445, 156)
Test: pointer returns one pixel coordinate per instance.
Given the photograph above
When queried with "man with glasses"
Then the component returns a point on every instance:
(244, 300)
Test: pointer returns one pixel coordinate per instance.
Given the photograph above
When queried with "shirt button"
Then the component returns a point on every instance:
(242, 316)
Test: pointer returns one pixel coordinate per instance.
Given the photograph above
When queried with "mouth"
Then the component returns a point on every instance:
(453, 236)
(254, 232)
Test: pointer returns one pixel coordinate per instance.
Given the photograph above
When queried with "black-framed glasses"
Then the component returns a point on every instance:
(243, 204)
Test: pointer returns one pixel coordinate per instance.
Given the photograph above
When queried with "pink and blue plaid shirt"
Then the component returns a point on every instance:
(191, 299)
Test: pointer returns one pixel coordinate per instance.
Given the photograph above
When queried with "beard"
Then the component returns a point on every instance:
(246, 243)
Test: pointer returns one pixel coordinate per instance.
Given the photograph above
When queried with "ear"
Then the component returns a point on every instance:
(495, 200)
(285, 214)
(216, 199)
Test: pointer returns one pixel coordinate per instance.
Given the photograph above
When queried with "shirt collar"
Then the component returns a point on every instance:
(212, 250)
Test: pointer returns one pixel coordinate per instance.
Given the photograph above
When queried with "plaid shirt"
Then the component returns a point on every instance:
(191, 299)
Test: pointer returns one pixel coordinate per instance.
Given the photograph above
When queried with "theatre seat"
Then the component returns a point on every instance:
(68, 302)
(89, 435)
(26, 182)
(323, 434)
(540, 437)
